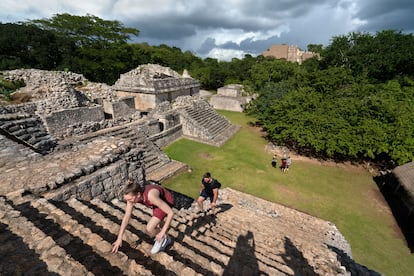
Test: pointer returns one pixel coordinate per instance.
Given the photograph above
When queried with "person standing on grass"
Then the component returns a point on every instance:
(160, 200)
(274, 161)
(209, 189)
(284, 164)
(288, 163)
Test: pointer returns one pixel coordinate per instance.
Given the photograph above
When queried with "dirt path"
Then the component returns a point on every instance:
(280, 151)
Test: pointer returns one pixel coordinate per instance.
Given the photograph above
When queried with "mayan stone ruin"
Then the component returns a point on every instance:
(230, 97)
(67, 151)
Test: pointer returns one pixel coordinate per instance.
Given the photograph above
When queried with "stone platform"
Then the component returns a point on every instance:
(247, 236)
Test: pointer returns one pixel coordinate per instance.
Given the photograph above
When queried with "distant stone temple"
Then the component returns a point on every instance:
(289, 52)
(230, 97)
(153, 84)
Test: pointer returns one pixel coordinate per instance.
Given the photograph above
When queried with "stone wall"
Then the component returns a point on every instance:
(237, 104)
(105, 184)
(142, 102)
(96, 170)
(175, 84)
(233, 90)
(168, 136)
(120, 109)
(230, 97)
(59, 122)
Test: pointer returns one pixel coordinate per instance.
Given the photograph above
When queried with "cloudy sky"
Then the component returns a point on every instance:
(224, 29)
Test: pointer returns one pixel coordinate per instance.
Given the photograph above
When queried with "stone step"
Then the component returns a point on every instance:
(12, 152)
(48, 255)
(30, 132)
(203, 236)
(166, 171)
(228, 236)
(204, 258)
(138, 244)
(223, 136)
(216, 126)
(139, 240)
(153, 157)
(90, 239)
(247, 236)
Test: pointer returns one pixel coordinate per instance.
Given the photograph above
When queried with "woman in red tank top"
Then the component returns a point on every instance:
(160, 200)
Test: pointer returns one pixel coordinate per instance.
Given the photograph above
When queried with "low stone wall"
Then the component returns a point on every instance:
(29, 108)
(103, 177)
(165, 138)
(120, 109)
(237, 104)
(234, 90)
(104, 184)
(58, 122)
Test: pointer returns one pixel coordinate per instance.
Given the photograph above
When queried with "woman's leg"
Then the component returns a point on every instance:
(153, 226)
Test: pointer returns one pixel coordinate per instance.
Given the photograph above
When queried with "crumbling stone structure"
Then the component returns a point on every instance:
(230, 97)
(153, 84)
(289, 52)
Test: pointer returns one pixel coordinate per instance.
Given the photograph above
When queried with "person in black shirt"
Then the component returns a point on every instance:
(209, 189)
(274, 161)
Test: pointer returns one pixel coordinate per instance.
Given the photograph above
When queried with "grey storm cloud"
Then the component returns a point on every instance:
(227, 28)
(385, 14)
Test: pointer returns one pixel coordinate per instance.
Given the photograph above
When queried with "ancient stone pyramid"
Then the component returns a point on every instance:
(247, 236)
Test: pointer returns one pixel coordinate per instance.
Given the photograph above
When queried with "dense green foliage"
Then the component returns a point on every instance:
(385, 56)
(30, 47)
(355, 102)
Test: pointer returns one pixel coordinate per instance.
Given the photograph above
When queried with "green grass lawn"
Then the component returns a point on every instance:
(344, 195)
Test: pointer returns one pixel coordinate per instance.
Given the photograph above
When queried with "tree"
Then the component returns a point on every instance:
(272, 70)
(100, 44)
(30, 47)
(381, 57)
(87, 30)
(315, 48)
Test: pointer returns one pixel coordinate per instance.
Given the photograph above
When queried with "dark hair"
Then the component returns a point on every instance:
(207, 175)
(133, 187)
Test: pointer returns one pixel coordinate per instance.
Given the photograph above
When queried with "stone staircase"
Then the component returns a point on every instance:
(153, 160)
(12, 152)
(28, 130)
(247, 236)
(94, 161)
(212, 128)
